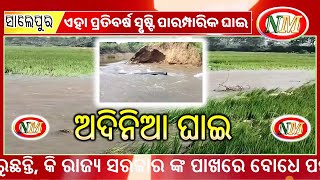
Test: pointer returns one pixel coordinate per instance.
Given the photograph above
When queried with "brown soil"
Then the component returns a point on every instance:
(169, 53)
(114, 57)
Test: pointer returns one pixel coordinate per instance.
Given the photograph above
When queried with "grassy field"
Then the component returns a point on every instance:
(251, 115)
(228, 60)
(48, 61)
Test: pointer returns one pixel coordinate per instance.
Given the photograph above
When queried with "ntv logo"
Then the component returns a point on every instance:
(282, 23)
(291, 128)
(287, 25)
(30, 127)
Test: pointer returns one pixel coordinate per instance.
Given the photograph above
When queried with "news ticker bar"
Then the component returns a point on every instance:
(159, 166)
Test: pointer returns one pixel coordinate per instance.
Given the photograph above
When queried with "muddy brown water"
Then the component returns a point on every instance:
(59, 99)
(261, 79)
(122, 82)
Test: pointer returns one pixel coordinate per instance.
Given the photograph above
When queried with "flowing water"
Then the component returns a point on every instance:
(59, 99)
(122, 82)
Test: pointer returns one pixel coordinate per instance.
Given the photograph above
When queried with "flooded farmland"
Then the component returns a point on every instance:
(59, 99)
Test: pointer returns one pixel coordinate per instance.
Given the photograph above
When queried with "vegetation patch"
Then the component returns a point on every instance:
(251, 117)
(48, 61)
(230, 60)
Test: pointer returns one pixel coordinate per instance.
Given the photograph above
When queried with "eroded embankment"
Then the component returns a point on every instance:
(169, 53)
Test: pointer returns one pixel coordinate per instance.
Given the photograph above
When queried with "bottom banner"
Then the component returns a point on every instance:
(160, 167)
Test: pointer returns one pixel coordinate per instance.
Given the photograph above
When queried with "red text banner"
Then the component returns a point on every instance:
(129, 22)
(160, 167)
(155, 22)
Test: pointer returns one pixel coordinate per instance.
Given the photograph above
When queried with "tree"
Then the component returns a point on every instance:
(214, 44)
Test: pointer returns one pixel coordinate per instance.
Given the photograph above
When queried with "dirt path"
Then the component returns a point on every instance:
(59, 99)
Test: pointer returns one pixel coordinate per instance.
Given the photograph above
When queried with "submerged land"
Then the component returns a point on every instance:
(250, 88)
(155, 73)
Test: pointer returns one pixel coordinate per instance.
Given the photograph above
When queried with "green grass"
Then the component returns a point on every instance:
(227, 60)
(48, 61)
(251, 115)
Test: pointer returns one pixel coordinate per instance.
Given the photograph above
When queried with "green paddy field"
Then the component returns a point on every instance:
(229, 60)
(48, 61)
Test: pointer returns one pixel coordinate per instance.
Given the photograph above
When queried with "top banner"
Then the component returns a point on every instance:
(127, 22)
